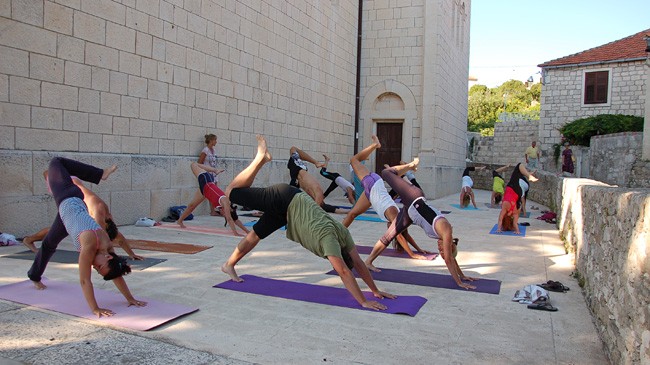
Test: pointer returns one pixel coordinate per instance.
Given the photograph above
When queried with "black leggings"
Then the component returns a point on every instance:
(467, 170)
(331, 176)
(60, 181)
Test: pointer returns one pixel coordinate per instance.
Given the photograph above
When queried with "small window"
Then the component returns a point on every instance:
(596, 87)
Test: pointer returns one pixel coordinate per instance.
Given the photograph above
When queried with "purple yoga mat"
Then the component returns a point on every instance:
(320, 294)
(67, 298)
(430, 279)
(522, 230)
(366, 250)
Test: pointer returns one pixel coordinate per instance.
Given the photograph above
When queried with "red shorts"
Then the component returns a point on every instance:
(212, 192)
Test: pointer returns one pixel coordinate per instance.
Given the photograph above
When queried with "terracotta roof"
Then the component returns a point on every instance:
(632, 47)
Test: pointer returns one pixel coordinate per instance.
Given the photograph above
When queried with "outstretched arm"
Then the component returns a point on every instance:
(226, 209)
(443, 226)
(86, 257)
(120, 283)
(124, 244)
(471, 195)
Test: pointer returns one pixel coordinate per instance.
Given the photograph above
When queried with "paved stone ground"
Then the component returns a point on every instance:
(453, 327)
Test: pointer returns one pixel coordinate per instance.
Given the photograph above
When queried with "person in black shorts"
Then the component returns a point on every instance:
(338, 181)
(306, 223)
(301, 178)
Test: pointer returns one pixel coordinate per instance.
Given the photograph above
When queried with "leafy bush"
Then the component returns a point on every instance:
(580, 131)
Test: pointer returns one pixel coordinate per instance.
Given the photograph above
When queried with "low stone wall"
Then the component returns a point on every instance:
(608, 230)
(510, 140)
(142, 186)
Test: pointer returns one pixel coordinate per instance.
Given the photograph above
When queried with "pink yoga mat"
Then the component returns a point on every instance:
(67, 298)
(198, 229)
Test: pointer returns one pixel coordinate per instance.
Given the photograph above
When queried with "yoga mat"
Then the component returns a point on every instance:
(72, 257)
(527, 215)
(431, 280)
(198, 229)
(390, 252)
(311, 293)
(469, 207)
(522, 229)
(369, 219)
(369, 211)
(252, 223)
(496, 206)
(68, 299)
(184, 248)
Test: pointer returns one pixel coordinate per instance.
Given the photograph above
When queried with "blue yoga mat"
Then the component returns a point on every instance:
(252, 223)
(369, 211)
(527, 215)
(431, 280)
(469, 207)
(369, 219)
(327, 295)
(522, 229)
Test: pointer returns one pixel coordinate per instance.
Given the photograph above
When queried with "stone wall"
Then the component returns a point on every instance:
(510, 140)
(608, 230)
(613, 155)
(142, 186)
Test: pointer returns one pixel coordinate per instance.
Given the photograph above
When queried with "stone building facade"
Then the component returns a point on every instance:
(562, 92)
(139, 83)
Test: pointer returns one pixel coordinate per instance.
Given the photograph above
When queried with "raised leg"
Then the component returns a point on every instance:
(246, 177)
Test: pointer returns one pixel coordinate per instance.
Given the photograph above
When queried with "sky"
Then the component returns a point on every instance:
(509, 38)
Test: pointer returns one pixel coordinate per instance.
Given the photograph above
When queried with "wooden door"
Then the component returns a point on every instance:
(390, 136)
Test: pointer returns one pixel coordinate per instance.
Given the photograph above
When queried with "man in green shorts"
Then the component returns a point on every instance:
(306, 223)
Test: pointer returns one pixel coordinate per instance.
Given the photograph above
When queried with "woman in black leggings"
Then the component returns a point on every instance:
(417, 211)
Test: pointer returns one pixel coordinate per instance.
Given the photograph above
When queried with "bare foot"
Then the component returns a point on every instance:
(414, 164)
(326, 158)
(180, 223)
(108, 172)
(375, 140)
(39, 285)
(29, 242)
(532, 178)
(230, 270)
(372, 267)
(262, 149)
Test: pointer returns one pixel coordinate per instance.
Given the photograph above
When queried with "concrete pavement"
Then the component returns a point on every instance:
(453, 327)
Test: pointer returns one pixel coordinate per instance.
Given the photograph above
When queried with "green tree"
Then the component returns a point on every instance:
(486, 104)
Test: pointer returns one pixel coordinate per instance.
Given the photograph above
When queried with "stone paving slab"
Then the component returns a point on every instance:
(453, 327)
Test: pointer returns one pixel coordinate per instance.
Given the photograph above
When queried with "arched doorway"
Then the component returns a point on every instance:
(389, 131)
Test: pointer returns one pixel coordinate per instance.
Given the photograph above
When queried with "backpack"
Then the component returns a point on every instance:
(176, 211)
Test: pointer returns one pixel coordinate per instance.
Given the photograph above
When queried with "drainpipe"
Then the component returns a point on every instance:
(358, 85)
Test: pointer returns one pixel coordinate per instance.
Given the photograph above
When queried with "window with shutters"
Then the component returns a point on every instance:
(596, 87)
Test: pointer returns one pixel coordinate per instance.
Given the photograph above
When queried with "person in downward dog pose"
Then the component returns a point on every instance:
(466, 192)
(416, 210)
(498, 186)
(209, 190)
(306, 223)
(302, 179)
(376, 195)
(98, 209)
(337, 181)
(512, 199)
(92, 242)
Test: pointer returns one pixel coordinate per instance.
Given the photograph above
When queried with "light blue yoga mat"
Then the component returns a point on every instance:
(369, 219)
(522, 229)
(527, 215)
(252, 223)
(469, 207)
